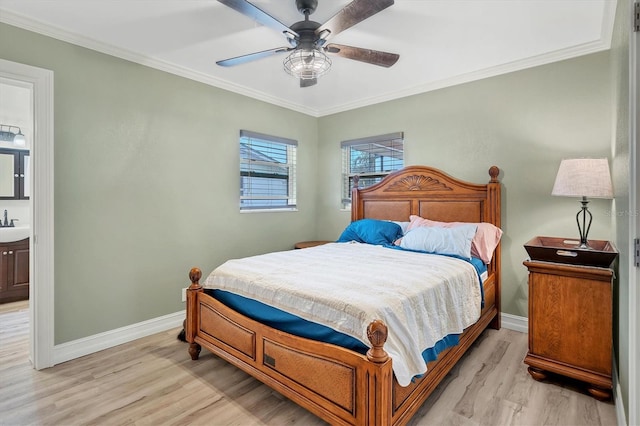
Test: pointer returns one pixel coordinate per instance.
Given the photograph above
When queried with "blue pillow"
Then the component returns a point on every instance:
(434, 239)
(371, 231)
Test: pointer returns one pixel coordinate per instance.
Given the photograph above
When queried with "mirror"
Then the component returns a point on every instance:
(15, 182)
(7, 175)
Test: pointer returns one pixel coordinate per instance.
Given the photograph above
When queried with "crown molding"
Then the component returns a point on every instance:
(534, 61)
(39, 27)
(603, 43)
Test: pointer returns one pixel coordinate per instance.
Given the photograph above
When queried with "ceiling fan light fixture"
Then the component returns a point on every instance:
(307, 64)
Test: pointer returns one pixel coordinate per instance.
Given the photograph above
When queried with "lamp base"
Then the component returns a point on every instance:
(584, 229)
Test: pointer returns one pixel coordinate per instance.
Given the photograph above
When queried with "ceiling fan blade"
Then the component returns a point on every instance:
(307, 82)
(351, 14)
(375, 57)
(257, 14)
(251, 57)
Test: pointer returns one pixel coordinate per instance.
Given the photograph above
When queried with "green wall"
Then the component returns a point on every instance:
(147, 184)
(525, 122)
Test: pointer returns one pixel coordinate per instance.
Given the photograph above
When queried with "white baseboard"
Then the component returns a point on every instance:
(617, 397)
(514, 322)
(98, 342)
(88, 345)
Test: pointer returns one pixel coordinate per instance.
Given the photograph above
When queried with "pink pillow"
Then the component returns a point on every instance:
(483, 244)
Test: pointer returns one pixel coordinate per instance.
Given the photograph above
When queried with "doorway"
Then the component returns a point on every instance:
(16, 134)
(41, 269)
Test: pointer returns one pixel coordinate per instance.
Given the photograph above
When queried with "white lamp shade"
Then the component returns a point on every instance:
(584, 177)
(19, 139)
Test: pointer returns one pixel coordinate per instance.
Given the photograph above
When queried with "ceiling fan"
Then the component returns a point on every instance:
(307, 59)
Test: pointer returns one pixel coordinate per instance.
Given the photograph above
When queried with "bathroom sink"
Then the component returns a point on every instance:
(8, 235)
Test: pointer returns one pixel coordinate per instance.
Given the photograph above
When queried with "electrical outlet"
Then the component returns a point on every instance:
(184, 294)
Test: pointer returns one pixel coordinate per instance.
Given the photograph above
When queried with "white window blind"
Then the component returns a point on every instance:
(267, 171)
(370, 158)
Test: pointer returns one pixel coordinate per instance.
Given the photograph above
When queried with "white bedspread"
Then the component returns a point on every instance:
(420, 297)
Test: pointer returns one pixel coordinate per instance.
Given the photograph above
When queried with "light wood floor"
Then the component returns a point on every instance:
(152, 381)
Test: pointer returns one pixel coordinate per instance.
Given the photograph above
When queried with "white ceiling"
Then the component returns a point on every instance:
(440, 43)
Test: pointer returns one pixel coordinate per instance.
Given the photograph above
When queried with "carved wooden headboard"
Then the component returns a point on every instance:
(432, 194)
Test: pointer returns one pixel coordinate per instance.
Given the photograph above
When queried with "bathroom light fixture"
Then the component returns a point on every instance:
(584, 177)
(307, 64)
(9, 135)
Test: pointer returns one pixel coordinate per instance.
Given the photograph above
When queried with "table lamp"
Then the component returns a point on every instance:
(584, 177)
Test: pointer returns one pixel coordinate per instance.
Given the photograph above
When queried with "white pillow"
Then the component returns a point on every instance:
(403, 225)
(452, 241)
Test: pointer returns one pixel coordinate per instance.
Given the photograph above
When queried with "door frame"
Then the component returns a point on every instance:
(634, 224)
(41, 264)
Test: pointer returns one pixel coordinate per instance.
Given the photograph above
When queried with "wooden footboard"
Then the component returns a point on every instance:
(337, 384)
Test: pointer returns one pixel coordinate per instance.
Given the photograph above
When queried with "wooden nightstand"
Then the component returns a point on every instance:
(307, 244)
(571, 323)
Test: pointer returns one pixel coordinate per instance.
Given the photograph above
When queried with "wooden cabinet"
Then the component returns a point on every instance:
(307, 244)
(14, 271)
(570, 324)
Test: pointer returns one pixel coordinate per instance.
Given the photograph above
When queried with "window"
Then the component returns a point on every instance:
(371, 159)
(267, 172)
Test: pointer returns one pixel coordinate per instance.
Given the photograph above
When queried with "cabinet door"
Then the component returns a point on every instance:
(20, 270)
(570, 320)
(14, 269)
(4, 269)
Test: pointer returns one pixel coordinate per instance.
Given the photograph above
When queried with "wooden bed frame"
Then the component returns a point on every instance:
(337, 384)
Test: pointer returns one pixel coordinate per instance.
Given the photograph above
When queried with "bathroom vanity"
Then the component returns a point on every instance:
(14, 271)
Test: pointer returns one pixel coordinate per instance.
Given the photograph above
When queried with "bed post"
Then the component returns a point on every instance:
(355, 198)
(380, 387)
(494, 201)
(377, 333)
(191, 324)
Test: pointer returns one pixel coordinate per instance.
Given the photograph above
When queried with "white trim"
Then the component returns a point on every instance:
(295, 209)
(29, 24)
(108, 339)
(601, 44)
(534, 61)
(634, 225)
(515, 322)
(617, 396)
(41, 290)
(98, 342)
